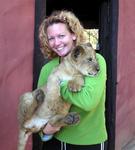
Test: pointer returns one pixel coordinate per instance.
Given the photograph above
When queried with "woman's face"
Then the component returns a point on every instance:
(61, 41)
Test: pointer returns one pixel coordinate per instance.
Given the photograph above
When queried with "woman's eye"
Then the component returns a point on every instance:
(61, 36)
(50, 39)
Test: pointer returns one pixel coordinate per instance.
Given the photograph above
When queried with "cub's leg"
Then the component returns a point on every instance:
(29, 102)
(60, 121)
(71, 118)
(23, 137)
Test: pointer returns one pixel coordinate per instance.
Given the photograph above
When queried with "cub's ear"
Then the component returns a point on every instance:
(76, 52)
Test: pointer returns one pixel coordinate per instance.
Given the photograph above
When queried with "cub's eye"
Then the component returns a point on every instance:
(90, 59)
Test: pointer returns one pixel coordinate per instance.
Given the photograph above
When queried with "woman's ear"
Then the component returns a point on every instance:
(73, 37)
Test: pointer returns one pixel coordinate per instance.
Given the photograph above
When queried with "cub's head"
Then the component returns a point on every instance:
(84, 59)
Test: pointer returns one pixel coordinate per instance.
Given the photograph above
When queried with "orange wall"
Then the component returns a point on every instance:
(125, 101)
(16, 60)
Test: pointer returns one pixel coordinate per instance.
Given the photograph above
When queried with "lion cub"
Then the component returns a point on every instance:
(45, 104)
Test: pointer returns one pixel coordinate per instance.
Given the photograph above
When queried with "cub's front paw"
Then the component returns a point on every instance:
(75, 86)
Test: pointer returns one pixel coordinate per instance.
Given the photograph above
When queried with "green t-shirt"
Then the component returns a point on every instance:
(89, 103)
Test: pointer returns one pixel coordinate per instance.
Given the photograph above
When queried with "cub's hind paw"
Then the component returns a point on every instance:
(72, 118)
(39, 95)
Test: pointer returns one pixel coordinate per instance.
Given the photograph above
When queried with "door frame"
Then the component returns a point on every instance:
(108, 44)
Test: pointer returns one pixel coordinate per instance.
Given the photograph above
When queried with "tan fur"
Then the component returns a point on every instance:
(37, 109)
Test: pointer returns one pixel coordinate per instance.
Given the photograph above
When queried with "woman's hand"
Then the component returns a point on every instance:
(50, 129)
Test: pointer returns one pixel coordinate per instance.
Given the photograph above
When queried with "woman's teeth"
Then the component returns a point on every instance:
(60, 48)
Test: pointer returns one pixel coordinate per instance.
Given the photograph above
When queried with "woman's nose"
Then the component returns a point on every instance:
(57, 41)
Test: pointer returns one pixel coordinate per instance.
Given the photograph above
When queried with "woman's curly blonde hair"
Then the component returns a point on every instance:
(72, 23)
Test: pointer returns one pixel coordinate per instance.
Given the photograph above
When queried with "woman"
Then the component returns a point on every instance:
(58, 35)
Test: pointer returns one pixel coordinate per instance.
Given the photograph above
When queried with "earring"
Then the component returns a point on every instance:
(74, 37)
